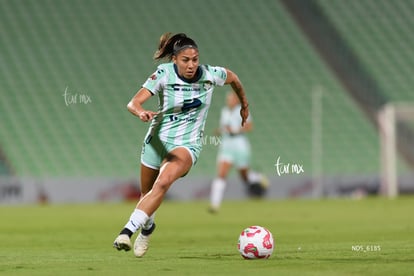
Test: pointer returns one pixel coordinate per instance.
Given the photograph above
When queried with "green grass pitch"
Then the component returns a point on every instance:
(373, 236)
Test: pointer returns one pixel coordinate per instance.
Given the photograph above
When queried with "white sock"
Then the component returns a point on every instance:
(149, 222)
(137, 219)
(253, 177)
(217, 191)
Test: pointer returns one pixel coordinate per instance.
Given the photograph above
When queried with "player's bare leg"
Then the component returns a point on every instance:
(176, 164)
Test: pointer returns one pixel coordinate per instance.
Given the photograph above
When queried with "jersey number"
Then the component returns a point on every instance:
(189, 104)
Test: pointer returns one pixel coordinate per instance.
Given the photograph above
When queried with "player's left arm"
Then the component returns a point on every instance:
(237, 86)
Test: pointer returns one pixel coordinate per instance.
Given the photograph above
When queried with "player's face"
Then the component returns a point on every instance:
(187, 62)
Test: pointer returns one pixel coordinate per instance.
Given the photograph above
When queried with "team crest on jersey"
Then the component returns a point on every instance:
(153, 77)
(207, 85)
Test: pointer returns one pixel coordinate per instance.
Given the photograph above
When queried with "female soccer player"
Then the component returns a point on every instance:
(234, 151)
(173, 142)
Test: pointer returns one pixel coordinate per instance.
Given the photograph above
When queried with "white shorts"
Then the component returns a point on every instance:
(235, 150)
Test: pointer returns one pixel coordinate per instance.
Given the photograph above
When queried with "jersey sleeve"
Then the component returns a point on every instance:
(219, 75)
(155, 82)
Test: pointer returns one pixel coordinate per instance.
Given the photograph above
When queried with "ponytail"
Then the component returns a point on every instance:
(172, 45)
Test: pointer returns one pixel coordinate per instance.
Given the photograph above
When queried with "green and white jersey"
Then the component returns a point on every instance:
(231, 119)
(183, 104)
(235, 146)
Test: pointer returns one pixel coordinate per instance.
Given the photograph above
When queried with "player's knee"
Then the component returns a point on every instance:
(163, 183)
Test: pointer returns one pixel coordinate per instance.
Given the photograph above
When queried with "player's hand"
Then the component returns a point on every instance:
(146, 115)
(244, 113)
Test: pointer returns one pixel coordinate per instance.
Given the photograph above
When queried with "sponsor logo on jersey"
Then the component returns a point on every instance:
(191, 103)
(207, 85)
(179, 87)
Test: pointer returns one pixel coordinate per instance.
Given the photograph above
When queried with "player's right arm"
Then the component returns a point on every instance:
(135, 105)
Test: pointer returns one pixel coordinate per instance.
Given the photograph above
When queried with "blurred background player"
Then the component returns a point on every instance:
(234, 150)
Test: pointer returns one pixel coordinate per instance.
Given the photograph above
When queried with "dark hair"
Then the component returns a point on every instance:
(172, 45)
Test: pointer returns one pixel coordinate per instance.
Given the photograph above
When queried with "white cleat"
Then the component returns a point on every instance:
(141, 245)
(123, 242)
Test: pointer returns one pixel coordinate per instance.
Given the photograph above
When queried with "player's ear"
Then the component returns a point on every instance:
(174, 58)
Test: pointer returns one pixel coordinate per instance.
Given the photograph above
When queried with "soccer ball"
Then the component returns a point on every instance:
(255, 242)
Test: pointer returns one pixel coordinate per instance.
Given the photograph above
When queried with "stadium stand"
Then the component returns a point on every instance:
(380, 32)
(70, 67)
